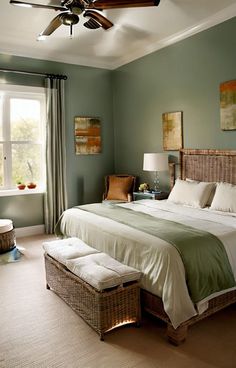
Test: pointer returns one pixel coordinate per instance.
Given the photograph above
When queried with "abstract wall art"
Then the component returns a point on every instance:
(228, 105)
(87, 135)
(172, 123)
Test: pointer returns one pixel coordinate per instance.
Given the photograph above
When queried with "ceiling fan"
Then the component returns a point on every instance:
(71, 9)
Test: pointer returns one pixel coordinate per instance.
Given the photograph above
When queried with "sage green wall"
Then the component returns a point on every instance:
(182, 77)
(24, 210)
(88, 92)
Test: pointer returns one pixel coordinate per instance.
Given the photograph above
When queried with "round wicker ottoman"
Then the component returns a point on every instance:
(7, 236)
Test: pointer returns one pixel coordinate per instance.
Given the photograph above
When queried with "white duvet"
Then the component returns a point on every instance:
(160, 262)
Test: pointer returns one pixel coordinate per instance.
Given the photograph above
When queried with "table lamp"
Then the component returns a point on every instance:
(155, 162)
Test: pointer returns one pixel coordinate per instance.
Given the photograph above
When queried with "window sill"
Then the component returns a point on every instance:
(16, 192)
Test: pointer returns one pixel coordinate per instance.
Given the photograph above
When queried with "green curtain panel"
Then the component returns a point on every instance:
(56, 194)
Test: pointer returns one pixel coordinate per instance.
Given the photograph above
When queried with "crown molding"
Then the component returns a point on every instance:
(220, 17)
(207, 23)
(65, 59)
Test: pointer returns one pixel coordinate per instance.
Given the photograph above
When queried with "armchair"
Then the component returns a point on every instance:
(119, 187)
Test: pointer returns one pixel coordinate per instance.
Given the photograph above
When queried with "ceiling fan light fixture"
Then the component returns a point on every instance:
(76, 10)
(41, 37)
(69, 19)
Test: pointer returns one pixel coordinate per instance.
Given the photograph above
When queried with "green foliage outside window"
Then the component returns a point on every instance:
(25, 156)
(22, 140)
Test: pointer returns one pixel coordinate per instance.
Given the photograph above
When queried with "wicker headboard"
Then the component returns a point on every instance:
(208, 165)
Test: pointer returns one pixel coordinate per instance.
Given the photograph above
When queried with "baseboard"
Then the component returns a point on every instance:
(29, 230)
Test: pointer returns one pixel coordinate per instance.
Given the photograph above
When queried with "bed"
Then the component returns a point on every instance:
(165, 292)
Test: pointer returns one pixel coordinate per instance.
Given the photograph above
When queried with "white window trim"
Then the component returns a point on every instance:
(22, 91)
(16, 192)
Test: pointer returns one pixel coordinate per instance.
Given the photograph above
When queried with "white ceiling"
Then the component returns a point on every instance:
(136, 31)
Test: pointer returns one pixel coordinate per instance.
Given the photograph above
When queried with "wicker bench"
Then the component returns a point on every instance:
(104, 302)
(7, 236)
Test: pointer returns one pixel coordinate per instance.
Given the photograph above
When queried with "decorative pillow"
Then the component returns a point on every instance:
(210, 199)
(191, 193)
(224, 198)
(119, 187)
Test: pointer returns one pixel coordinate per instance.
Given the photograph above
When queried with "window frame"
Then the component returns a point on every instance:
(23, 92)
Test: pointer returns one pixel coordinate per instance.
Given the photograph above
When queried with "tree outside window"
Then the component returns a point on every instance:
(21, 138)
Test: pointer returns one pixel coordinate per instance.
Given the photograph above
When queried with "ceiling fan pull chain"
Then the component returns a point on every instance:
(71, 30)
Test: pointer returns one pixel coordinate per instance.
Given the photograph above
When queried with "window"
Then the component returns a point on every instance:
(22, 136)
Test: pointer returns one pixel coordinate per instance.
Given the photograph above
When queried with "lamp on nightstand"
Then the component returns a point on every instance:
(155, 162)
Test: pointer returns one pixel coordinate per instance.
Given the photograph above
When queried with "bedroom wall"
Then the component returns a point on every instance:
(182, 77)
(88, 93)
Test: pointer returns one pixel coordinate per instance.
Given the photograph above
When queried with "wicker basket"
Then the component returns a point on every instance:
(102, 310)
(7, 241)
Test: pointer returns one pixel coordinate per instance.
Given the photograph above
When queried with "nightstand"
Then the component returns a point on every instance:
(146, 195)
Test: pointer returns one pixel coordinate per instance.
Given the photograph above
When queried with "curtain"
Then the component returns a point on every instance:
(55, 201)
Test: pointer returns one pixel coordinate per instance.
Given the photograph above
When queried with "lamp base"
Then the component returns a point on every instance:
(156, 183)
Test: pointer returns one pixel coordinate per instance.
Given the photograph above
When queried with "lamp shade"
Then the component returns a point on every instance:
(155, 162)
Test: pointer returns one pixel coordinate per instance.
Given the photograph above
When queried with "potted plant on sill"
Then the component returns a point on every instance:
(21, 185)
(31, 184)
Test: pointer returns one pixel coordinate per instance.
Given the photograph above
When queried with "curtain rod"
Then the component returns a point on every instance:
(48, 75)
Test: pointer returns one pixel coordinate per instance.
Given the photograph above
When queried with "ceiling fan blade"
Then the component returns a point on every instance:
(53, 25)
(98, 18)
(113, 4)
(92, 24)
(33, 5)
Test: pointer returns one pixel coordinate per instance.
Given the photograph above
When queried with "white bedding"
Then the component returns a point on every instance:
(159, 261)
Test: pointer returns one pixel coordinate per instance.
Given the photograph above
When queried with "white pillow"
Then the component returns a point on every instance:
(211, 196)
(191, 193)
(224, 198)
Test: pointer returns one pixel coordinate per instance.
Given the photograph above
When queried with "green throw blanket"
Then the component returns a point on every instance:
(207, 267)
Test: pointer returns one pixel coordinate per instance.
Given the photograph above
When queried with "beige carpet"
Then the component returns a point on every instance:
(37, 329)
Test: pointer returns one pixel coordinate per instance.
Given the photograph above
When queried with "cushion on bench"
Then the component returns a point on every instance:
(5, 225)
(102, 271)
(65, 249)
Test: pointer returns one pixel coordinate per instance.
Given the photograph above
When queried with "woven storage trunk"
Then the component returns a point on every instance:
(7, 241)
(102, 310)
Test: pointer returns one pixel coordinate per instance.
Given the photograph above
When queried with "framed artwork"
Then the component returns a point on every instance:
(228, 105)
(172, 123)
(87, 135)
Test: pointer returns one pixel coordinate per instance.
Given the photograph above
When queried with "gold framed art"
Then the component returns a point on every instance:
(228, 105)
(87, 135)
(172, 123)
